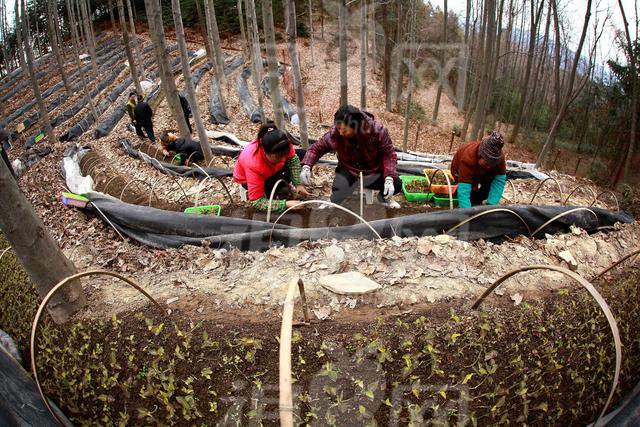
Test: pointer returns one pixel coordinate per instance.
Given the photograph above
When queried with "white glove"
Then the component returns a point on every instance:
(305, 175)
(389, 188)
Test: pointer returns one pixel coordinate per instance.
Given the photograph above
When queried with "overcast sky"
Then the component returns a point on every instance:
(575, 10)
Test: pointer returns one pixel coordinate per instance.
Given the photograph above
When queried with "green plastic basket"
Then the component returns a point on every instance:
(414, 197)
(444, 201)
(204, 210)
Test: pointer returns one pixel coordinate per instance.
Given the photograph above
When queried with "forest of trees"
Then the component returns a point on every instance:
(508, 65)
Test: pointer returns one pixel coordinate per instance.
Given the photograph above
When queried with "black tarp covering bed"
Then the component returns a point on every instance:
(164, 229)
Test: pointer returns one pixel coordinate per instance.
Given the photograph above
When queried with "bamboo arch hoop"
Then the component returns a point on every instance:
(7, 249)
(219, 180)
(323, 202)
(152, 192)
(561, 215)
(540, 186)
(595, 294)
(175, 181)
(43, 305)
(615, 198)
(593, 193)
(285, 383)
(460, 224)
(606, 270)
(515, 195)
(273, 193)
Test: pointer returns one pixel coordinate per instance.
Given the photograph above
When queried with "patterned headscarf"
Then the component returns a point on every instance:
(491, 148)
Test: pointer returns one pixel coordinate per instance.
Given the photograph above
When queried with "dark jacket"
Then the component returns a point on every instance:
(465, 167)
(371, 151)
(143, 113)
(185, 106)
(187, 147)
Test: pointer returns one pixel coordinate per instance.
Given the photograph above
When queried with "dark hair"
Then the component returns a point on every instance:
(139, 97)
(273, 140)
(132, 93)
(349, 115)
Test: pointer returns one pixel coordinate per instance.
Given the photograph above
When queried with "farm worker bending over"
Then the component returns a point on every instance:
(362, 144)
(188, 149)
(131, 107)
(480, 170)
(144, 115)
(262, 163)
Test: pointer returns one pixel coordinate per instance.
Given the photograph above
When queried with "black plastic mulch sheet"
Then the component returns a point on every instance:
(171, 169)
(20, 402)
(246, 100)
(287, 108)
(216, 115)
(165, 229)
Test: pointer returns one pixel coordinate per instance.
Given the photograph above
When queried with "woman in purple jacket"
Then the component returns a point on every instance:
(362, 144)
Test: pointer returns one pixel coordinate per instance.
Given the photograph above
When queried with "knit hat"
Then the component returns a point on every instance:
(491, 148)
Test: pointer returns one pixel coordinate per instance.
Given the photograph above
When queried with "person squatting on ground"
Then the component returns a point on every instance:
(362, 144)
(188, 149)
(4, 146)
(262, 163)
(144, 117)
(480, 169)
(186, 110)
(131, 106)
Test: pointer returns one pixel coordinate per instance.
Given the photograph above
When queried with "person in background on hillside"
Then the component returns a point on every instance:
(262, 163)
(131, 106)
(4, 145)
(186, 110)
(480, 169)
(188, 149)
(144, 117)
(362, 144)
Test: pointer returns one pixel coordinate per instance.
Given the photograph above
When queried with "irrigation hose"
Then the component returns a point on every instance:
(594, 293)
(43, 305)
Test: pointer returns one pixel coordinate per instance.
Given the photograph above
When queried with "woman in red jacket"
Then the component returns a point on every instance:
(262, 163)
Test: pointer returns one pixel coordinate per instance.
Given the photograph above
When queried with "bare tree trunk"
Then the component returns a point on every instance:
(38, 253)
(483, 92)
(311, 36)
(57, 25)
(272, 63)
(412, 38)
(363, 54)
(22, 29)
(464, 60)
(436, 107)
(3, 26)
(156, 31)
(533, 36)
(111, 16)
(55, 43)
(217, 46)
(399, 59)
(76, 52)
(256, 60)
(88, 29)
(186, 72)
(136, 40)
(551, 138)
(343, 53)
(243, 32)
(297, 75)
(386, 62)
(322, 19)
(631, 47)
(127, 48)
(217, 51)
(372, 36)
